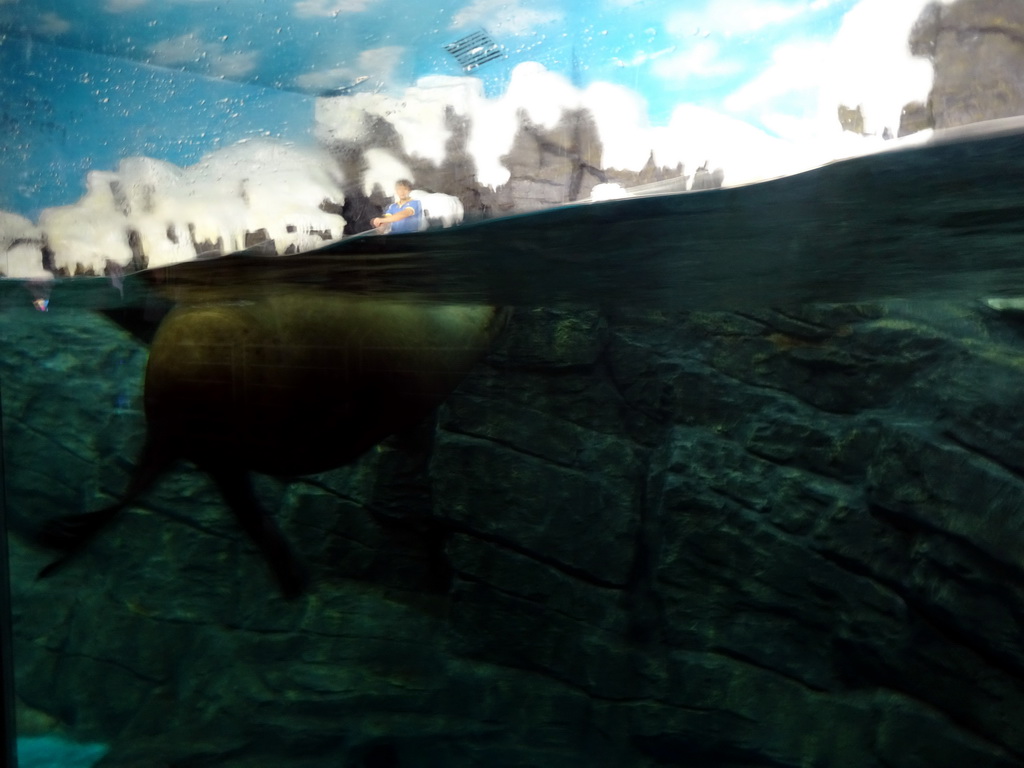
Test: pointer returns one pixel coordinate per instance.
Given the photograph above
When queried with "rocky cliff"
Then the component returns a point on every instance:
(977, 50)
(547, 167)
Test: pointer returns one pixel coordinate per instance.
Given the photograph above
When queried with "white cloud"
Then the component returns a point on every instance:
(867, 63)
(870, 62)
(378, 63)
(52, 24)
(695, 135)
(252, 185)
(795, 68)
(734, 17)
(120, 6)
(21, 244)
(183, 49)
(642, 57)
(382, 170)
(621, 115)
(190, 48)
(501, 16)
(701, 59)
(324, 79)
(307, 8)
(700, 34)
(418, 114)
(234, 65)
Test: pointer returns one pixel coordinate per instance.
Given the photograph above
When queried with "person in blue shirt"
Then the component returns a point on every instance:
(403, 215)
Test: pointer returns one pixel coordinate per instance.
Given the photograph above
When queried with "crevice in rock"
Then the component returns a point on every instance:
(331, 490)
(1015, 37)
(565, 569)
(733, 655)
(646, 609)
(784, 394)
(305, 630)
(47, 436)
(981, 453)
(539, 180)
(817, 332)
(604, 365)
(569, 369)
(551, 676)
(187, 521)
(588, 625)
(99, 660)
(548, 460)
(949, 633)
(906, 521)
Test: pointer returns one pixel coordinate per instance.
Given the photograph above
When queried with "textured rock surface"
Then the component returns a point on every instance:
(633, 537)
(851, 118)
(547, 167)
(977, 50)
(915, 117)
(756, 538)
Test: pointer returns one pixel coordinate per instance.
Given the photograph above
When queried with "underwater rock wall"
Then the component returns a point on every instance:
(759, 538)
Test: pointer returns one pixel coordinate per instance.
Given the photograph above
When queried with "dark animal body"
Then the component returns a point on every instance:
(288, 384)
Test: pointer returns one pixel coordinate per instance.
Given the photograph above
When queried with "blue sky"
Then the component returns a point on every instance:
(663, 48)
(162, 77)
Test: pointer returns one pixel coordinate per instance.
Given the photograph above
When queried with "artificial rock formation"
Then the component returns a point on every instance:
(852, 119)
(977, 50)
(635, 537)
(546, 167)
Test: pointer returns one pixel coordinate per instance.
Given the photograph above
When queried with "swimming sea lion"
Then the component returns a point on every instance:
(288, 384)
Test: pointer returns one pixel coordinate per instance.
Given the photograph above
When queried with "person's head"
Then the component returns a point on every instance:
(403, 187)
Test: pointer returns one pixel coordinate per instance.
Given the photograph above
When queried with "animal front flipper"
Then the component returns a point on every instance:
(260, 527)
(71, 533)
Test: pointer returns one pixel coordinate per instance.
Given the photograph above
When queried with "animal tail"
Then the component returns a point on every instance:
(71, 533)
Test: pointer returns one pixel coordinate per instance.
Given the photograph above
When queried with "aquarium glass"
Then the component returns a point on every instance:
(512, 383)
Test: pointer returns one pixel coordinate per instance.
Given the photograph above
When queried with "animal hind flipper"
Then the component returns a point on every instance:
(291, 576)
(71, 533)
